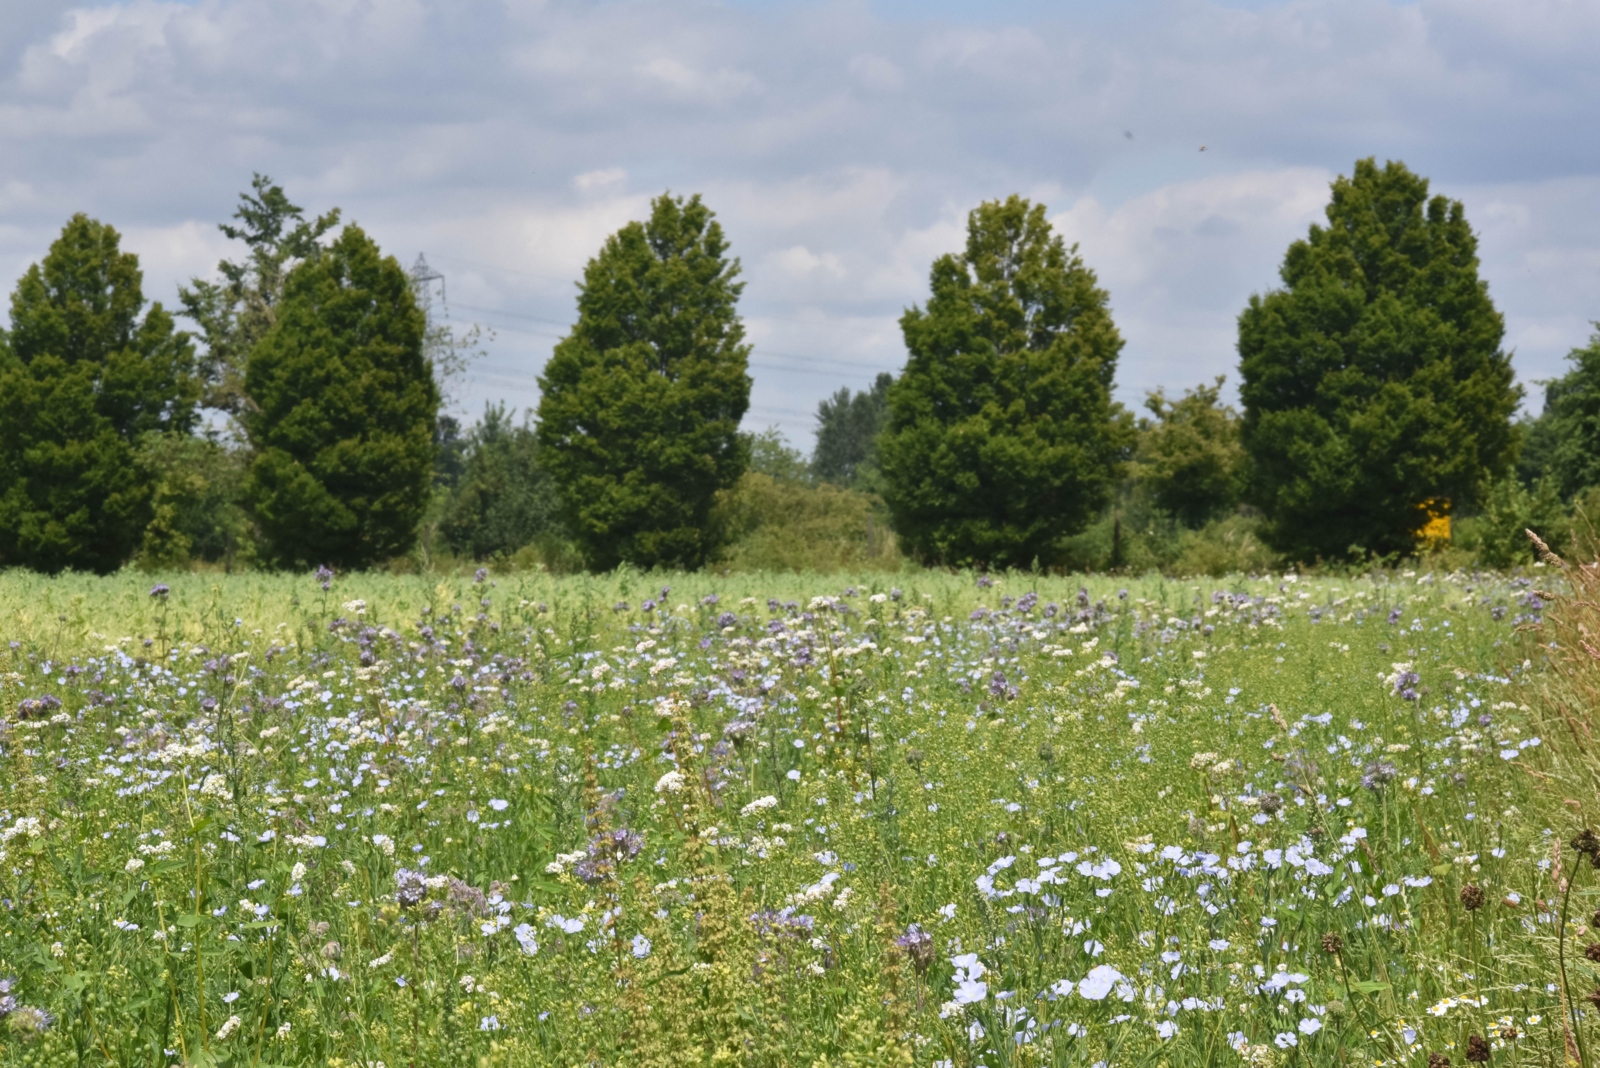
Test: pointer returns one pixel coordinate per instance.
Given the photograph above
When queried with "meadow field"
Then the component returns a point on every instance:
(898, 819)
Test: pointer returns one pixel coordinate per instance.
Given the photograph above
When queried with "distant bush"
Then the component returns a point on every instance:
(790, 525)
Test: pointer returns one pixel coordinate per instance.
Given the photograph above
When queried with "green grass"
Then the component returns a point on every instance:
(874, 826)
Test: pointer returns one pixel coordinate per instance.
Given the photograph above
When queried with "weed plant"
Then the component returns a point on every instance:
(777, 820)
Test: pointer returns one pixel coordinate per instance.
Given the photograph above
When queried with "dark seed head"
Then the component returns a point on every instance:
(1587, 843)
(1473, 897)
(1594, 997)
(1509, 1032)
(1477, 1049)
(1332, 943)
(1592, 951)
(1438, 1060)
(1271, 803)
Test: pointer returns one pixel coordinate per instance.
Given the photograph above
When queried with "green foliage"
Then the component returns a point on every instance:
(1002, 435)
(1567, 434)
(1496, 536)
(196, 513)
(640, 406)
(772, 455)
(1136, 535)
(779, 518)
(82, 377)
(1374, 381)
(1190, 456)
(848, 425)
(504, 499)
(236, 313)
(343, 413)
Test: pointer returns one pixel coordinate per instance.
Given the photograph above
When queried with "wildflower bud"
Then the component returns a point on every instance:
(1047, 753)
(1438, 1060)
(914, 757)
(1338, 1009)
(1472, 897)
(1477, 1049)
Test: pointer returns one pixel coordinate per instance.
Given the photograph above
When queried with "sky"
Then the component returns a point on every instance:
(1180, 144)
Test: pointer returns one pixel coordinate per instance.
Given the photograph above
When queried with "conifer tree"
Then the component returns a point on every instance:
(639, 416)
(1002, 436)
(343, 410)
(83, 376)
(1373, 382)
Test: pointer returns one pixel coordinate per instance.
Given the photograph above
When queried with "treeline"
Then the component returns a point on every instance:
(298, 423)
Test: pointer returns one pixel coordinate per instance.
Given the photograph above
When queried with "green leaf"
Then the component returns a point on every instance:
(192, 919)
(1368, 986)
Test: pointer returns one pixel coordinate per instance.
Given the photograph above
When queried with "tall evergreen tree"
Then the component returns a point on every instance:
(1373, 381)
(83, 376)
(639, 417)
(848, 425)
(342, 412)
(236, 313)
(1002, 435)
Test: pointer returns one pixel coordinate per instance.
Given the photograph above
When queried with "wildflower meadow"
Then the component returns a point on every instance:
(926, 818)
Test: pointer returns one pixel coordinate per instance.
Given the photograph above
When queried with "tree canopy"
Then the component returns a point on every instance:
(641, 402)
(1002, 437)
(1566, 436)
(343, 409)
(1373, 382)
(83, 377)
(1189, 455)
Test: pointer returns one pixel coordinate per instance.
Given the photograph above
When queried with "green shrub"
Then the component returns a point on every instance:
(789, 525)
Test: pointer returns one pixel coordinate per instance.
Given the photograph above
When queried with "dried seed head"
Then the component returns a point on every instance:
(1271, 803)
(1509, 1033)
(1477, 1049)
(1332, 943)
(1438, 1060)
(1587, 843)
(1592, 951)
(1594, 997)
(1473, 897)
